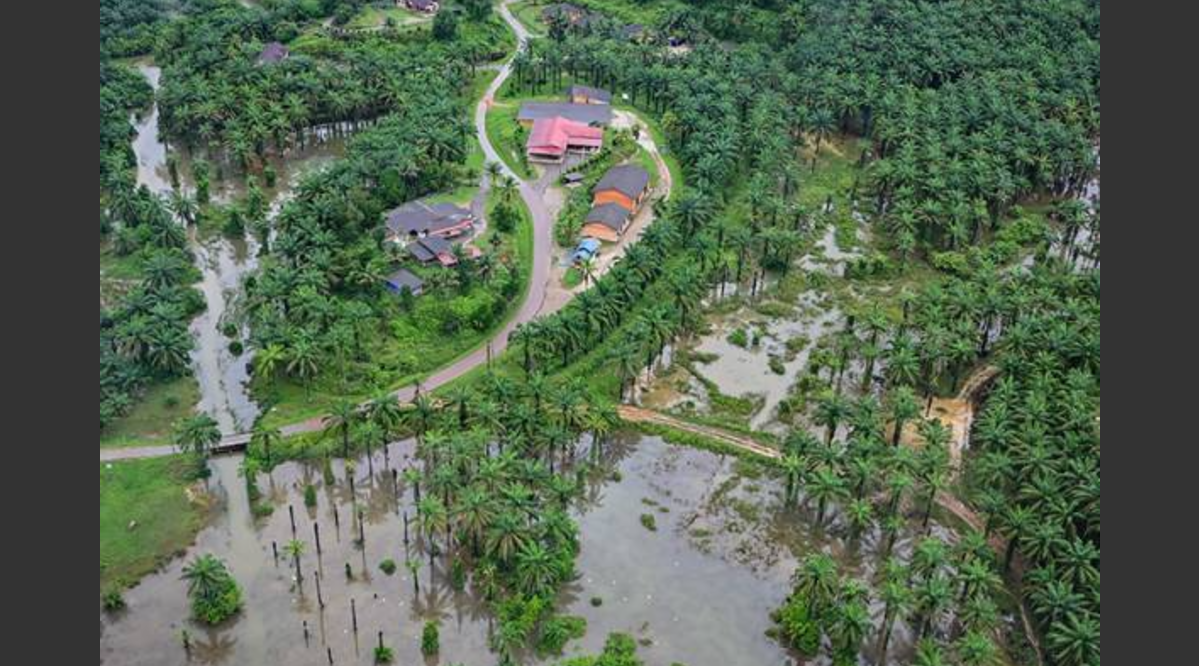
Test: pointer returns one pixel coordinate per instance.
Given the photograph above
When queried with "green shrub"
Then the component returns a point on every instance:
(739, 338)
(649, 522)
(430, 641)
(389, 567)
(557, 632)
(113, 601)
(310, 496)
(384, 655)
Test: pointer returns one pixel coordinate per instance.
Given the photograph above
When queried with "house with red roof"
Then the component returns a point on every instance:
(552, 138)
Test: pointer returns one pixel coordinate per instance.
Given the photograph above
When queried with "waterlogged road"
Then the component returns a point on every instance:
(543, 226)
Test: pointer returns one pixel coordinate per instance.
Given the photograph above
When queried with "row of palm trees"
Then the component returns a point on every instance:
(493, 482)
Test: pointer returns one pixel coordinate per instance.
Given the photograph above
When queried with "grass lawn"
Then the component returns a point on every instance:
(529, 14)
(504, 133)
(154, 415)
(375, 16)
(152, 494)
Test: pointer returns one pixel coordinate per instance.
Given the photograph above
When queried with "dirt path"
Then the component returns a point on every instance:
(639, 415)
(956, 414)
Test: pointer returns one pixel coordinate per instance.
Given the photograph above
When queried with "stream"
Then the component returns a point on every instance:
(223, 262)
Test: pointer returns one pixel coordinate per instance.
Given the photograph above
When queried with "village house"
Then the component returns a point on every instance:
(586, 95)
(617, 198)
(273, 53)
(607, 222)
(552, 138)
(586, 114)
(433, 249)
(626, 185)
(405, 279)
(417, 220)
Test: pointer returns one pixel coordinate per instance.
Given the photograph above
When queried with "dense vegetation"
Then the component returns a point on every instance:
(962, 127)
(218, 95)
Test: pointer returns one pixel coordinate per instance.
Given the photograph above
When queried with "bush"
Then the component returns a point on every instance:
(557, 632)
(389, 567)
(215, 596)
(310, 496)
(384, 655)
(113, 601)
(430, 641)
(739, 338)
(649, 522)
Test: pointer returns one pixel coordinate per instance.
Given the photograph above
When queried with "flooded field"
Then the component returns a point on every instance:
(698, 590)
(223, 262)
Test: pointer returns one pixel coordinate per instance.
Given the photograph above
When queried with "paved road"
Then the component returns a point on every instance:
(543, 228)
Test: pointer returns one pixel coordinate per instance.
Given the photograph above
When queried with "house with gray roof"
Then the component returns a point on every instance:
(588, 95)
(406, 279)
(417, 220)
(587, 114)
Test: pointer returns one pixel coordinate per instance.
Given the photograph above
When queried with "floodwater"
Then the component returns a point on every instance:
(699, 590)
(746, 371)
(223, 262)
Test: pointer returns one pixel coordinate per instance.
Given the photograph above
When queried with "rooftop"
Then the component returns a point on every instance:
(417, 218)
(629, 180)
(588, 114)
(611, 215)
(597, 94)
(557, 135)
(406, 279)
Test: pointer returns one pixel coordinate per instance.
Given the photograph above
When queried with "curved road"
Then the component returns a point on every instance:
(543, 227)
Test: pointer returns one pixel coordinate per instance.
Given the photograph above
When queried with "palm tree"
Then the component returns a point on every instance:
(197, 435)
(816, 581)
(386, 414)
(1075, 640)
(507, 536)
(536, 570)
(831, 410)
(473, 515)
(897, 599)
(975, 649)
(268, 361)
(206, 577)
(904, 408)
(929, 653)
(826, 486)
(341, 421)
(861, 516)
(794, 470)
(266, 437)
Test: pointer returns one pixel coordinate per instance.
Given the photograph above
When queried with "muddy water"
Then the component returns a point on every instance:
(223, 262)
(699, 590)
